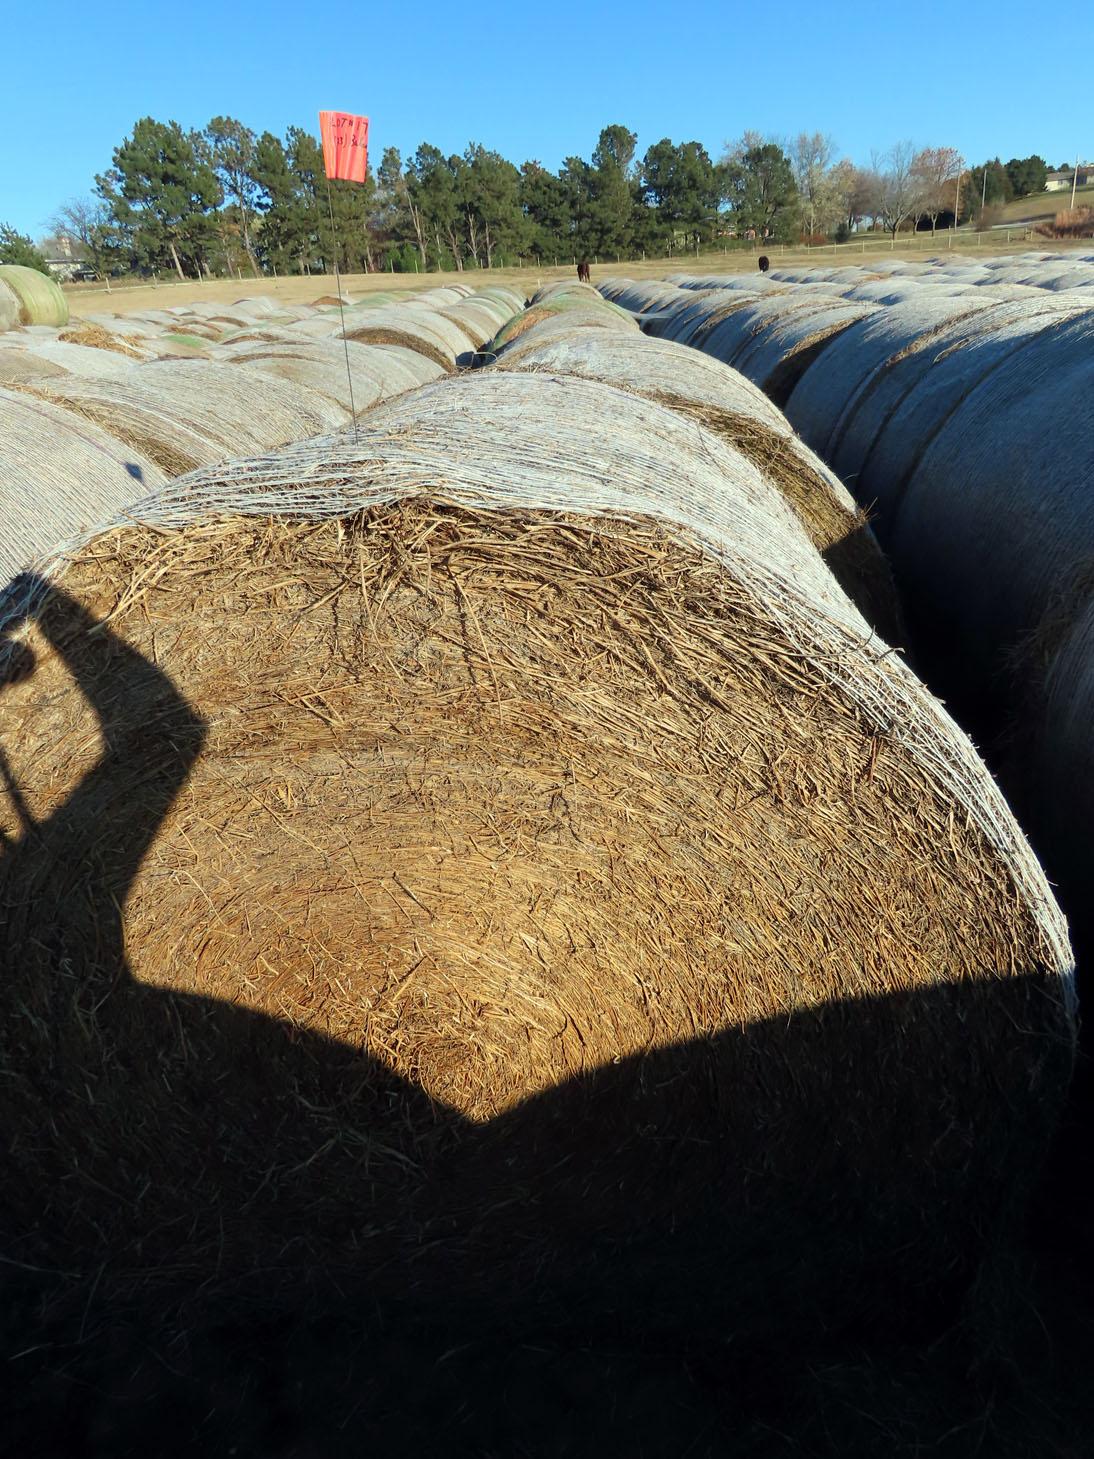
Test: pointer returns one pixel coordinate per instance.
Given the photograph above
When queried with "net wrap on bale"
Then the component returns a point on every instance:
(515, 875)
(41, 299)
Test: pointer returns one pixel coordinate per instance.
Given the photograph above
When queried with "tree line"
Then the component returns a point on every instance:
(225, 200)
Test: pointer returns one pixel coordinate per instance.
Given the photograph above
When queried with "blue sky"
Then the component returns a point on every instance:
(536, 80)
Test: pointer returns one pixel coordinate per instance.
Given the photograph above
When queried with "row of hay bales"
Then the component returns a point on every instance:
(92, 418)
(493, 872)
(965, 423)
(556, 309)
(602, 344)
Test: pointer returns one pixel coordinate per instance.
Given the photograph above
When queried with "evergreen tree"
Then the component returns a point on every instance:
(18, 248)
(162, 192)
(232, 148)
(1027, 175)
(760, 187)
(545, 203)
(685, 187)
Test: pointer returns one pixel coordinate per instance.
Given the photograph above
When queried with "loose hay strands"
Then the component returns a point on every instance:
(529, 855)
(94, 336)
(724, 402)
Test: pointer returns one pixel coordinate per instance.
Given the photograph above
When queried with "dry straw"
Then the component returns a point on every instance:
(727, 404)
(493, 863)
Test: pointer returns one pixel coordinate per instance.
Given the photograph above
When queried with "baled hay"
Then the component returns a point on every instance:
(506, 880)
(85, 361)
(777, 355)
(480, 321)
(538, 328)
(94, 336)
(9, 308)
(22, 364)
(882, 439)
(185, 414)
(59, 477)
(41, 299)
(691, 319)
(723, 401)
(377, 373)
(995, 516)
(826, 397)
(181, 347)
(413, 328)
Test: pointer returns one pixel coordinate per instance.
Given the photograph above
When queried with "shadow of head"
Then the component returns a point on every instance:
(845, 1161)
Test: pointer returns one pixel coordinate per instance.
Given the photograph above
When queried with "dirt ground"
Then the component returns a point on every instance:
(129, 298)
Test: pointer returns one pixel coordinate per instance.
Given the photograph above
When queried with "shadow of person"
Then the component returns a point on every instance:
(844, 1163)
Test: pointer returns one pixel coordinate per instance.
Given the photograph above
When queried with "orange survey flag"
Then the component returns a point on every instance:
(345, 145)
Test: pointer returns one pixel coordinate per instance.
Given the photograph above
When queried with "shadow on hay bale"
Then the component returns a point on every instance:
(161, 1139)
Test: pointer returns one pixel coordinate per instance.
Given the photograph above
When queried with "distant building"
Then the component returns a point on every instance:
(65, 258)
(1059, 181)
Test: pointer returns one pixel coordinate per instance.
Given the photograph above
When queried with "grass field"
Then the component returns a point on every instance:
(1044, 206)
(131, 298)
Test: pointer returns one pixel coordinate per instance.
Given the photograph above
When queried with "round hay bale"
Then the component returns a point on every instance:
(825, 399)
(480, 319)
(41, 300)
(883, 437)
(87, 361)
(695, 315)
(23, 364)
(377, 373)
(1053, 774)
(94, 336)
(9, 308)
(188, 413)
(59, 477)
(783, 343)
(723, 401)
(991, 515)
(539, 322)
(506, 883)
(413, 327)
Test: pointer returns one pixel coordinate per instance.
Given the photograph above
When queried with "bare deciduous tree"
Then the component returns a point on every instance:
(88, 223)
(936, 170)
(899, 190)
(818, 185)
